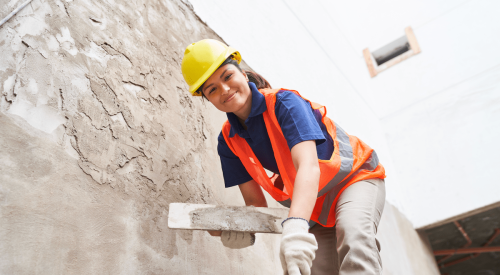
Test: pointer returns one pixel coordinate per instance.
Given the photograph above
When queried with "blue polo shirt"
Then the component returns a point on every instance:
(298, 122)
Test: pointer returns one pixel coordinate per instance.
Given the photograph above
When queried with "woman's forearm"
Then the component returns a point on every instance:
(252, 194)
(305, 191)
(305, 187)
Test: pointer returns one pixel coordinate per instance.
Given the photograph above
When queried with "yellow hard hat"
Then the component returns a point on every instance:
(201, 60)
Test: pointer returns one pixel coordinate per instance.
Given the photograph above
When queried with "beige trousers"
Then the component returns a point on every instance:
(351, 247)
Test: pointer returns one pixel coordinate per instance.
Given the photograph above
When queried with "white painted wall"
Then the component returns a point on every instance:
(434, 119)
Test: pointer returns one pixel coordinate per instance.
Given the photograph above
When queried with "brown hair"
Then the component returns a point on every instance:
(254, 77)
(258, 80)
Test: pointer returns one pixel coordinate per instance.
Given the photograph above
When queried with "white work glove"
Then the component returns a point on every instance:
(237, 240)
(298, 247)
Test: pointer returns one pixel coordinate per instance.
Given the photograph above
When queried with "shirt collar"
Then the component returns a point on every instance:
(258, 107)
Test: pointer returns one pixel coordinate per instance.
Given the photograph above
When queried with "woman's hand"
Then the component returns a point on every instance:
(237, 240)
(214, 233)
(234, 239)
(253, 195)
(298, 247)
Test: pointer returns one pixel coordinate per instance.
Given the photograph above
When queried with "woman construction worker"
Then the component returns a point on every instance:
(331, 181)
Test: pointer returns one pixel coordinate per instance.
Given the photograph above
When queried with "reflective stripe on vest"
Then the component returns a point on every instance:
(352, 160)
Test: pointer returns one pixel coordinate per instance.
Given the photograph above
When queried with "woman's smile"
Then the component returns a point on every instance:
(229, 98)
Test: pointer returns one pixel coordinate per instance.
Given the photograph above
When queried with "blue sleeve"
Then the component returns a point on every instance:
(232, 168)
(297, 119)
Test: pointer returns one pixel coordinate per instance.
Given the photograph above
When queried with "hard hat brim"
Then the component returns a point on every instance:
(193, 89)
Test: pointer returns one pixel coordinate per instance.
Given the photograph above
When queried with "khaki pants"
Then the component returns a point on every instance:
(351, 247)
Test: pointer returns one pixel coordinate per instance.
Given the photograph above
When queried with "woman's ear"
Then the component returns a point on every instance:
(246, 76)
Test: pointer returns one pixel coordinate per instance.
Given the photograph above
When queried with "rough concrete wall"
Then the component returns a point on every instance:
(98, 135)
(404, 250)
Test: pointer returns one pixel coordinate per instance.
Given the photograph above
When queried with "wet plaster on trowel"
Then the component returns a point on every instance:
(244, 219)
(100, 81)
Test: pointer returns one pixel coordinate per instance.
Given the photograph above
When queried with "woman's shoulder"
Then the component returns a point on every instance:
(288, 98)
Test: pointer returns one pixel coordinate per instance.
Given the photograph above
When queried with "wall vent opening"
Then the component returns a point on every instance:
(392, 53)
(391, 50)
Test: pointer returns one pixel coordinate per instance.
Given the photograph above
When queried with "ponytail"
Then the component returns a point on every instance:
(258, 80)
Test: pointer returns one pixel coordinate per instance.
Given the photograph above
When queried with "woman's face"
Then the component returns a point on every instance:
(227, 89)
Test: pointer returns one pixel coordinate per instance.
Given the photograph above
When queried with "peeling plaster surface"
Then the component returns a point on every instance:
(99, 134)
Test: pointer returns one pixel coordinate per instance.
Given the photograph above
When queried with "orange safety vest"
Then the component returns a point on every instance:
(352, 161)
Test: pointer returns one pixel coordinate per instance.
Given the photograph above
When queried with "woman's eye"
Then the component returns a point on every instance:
(211, 90)
(228, 76)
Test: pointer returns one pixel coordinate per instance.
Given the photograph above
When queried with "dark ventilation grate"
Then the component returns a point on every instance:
(391, 50)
